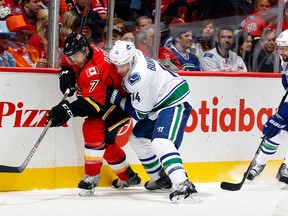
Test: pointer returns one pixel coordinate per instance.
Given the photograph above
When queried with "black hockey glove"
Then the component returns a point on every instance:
(67, 80)
(113, 96)
(60, 114)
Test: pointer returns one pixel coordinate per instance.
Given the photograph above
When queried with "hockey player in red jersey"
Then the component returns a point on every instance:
(87, 70)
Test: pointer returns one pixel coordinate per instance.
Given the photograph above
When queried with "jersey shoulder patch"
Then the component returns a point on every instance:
(134, 78)
(208, 55)
(92, 71)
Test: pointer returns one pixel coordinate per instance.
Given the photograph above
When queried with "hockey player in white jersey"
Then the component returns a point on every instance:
(276, 128)
(160, 103)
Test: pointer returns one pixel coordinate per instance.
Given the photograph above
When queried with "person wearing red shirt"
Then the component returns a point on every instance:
(259, 20)
(28, 9)
(91, 69)
(39, 39)
(100, 6)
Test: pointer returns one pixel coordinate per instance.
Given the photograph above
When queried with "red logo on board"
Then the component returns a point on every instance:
(124, 133)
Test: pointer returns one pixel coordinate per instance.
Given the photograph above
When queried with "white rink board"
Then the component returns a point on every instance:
(24, 94)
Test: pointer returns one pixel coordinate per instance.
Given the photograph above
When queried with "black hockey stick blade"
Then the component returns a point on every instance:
(236, 186)
(231, 186)
(19, 169)
(10, 169)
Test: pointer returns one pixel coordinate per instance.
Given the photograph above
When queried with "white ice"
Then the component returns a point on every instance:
(254, 199)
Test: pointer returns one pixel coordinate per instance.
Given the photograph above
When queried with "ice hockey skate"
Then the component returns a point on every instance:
(87, 185)
(282, 176)
(163, 182)
(255, 170)
(185, 190)
(133, 179)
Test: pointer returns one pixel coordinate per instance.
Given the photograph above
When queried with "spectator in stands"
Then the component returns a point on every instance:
(165, 32)
(243, 47)
(39, 39)
(242, 7)
(263, 56)
(128, 35)
(62, 7)
(91, 32)
(116, 35)
(141, 22)
(100, 6)
(6, 58)
(171, 9)
(79, 8)
(165, 56)
(221, 58)
(285, 18)
(259, 20)
(182, 41)
(119, 23)
(68, 23)
(205, 40)
(134, 9)
(25, 55)
(28, 9)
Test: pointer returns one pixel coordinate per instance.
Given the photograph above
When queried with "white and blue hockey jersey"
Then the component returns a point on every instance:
(153, 87)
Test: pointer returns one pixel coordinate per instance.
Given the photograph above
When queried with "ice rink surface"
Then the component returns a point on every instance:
(254, 199)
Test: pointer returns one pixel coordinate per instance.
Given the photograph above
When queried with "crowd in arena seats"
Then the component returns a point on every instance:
(195, 35)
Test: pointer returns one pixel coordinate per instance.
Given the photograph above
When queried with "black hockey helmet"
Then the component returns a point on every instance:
(74, 43)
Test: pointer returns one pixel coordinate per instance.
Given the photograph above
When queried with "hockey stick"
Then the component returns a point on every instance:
(19, 169)
(237, 186)
(85, 16)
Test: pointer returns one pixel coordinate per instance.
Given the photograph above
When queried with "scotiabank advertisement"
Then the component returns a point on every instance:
(229, 110)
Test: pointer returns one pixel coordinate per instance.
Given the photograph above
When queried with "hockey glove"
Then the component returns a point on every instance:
(274, 125)
(67, 80)
(285, 80)
(113, 96)
(60, 114)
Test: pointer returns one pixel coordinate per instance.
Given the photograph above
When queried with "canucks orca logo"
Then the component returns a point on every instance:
(134, 78)
(128, 47)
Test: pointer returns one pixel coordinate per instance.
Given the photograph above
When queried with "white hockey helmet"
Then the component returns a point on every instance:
(282, 39)
(122, 52)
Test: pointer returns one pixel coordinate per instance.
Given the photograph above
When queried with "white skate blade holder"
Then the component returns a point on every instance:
(84, 192)
(193, 198)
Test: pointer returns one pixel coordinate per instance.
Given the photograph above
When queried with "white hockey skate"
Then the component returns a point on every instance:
(87, 185)
(185, 190)
(282, 176)
(255, 170)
